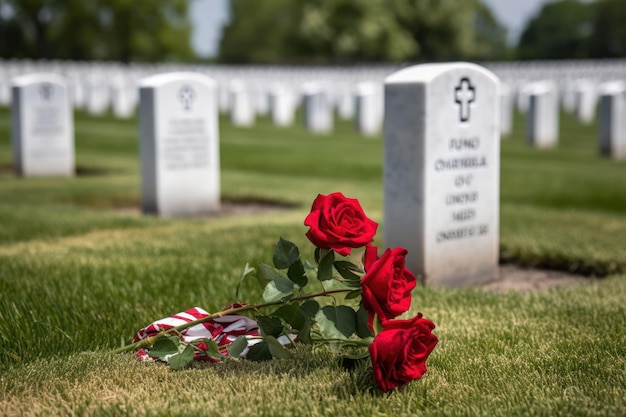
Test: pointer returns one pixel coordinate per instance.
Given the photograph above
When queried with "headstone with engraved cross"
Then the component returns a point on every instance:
(179, 145)
(442, 171)
(42, 126)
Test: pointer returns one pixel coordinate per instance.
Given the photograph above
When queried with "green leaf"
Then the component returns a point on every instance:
(296, 274)
(237, 347)
(213, 351)
(362, 328)
(325, 270)
(270, 326)
(304, 334)
(277, 350)
(310, 308)
(292, 315)
(318, 255)
(353, 294)
(246, 271)
(163, 347)
(349, 266)
(308, 265)
(352, 284)
(181, 359)
(345, 319)
(280, 288)
(266, 274)
(346, 270)
(378, 326)
(285, 254)
(351, 362)
(336, 322)
(259, 352)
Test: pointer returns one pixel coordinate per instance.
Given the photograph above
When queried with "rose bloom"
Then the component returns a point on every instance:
(400, 350)
(387, 284)
(339, 223)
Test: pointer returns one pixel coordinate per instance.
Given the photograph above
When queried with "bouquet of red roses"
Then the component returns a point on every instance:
(353, 308)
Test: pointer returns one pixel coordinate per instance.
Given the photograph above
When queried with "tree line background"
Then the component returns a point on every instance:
(309, 31)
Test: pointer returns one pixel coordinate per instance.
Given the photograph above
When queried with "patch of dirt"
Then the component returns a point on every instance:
(515, 278)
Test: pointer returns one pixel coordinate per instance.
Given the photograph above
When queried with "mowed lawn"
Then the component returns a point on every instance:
(81, 270)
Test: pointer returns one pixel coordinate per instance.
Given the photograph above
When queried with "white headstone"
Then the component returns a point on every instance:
(223, 97)
(317, 108)
(5, 89)
(542, 120)
(523, 100)
(261, 99)
(442, 171)
(179, 146)
(97, 96)
(241, 106)
(122, 102)
(345, 104)
(586, 101)
(282, 105)
(506, 110)
(612, 124)
(368, 120)
(568, 97)
(42, 126)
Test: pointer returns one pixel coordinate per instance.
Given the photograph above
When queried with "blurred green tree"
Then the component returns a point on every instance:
(489, 37)
(342, 31)
(561, 30)
(123, 30)
(608, 39)
(261, 31)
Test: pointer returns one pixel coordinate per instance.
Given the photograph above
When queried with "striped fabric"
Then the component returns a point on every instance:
(223, 330)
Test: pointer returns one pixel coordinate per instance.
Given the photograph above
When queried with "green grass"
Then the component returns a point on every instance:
(81, 271)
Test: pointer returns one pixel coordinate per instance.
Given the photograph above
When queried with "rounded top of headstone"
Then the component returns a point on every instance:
(368, 87)
(428, 72)
(170, 77)
(541, 87)
(313, 87)
(612, 87)
(39, 77)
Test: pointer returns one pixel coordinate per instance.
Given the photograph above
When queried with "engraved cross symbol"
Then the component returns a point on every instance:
(464, 94)
(45, 91)
(186, 96)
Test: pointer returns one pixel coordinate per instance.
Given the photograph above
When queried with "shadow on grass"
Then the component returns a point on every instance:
(7, 169)
(586, 268)
(305, 362)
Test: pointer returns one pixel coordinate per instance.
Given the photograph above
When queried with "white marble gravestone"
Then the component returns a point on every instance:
(42, 126)
(122, 102)
(345, 103)
(368, 120)
(542, 120)
(586, 101)
(442, 171)
(179, 145)
(5, 89)
(242, 112)
(506, 110)
(282, 105)
(98, 95)
(612, 123)
(568, 97)
(317, 108)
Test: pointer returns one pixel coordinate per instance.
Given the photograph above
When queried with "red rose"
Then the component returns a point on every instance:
(339, 223)
(387, 284)
(400, 350)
